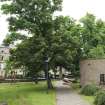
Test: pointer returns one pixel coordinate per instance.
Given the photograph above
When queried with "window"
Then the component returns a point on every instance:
(102, 79)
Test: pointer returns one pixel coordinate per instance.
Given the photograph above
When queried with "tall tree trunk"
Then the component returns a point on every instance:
(47, 76)
(35, 79)
(49, 82)
(60, 72)
(55, 74)
(55, 71)
(5, 74)
(48, 79)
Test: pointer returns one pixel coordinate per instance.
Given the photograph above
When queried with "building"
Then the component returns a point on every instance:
(4, 55)
(92, 71)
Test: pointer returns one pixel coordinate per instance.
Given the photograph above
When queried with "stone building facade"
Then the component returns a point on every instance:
(4, 55)
(92, 71)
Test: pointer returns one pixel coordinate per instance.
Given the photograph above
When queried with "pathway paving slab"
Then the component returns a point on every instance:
(66, 96)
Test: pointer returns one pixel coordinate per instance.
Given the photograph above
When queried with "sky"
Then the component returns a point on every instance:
(72, 8)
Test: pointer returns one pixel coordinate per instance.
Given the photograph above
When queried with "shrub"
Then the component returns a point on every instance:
(89, 90)
(100, 98)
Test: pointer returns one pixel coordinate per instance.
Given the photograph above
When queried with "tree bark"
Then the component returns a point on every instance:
(55, 74)
(60, 72)
(49, 82)
(47, 76)
(48, 79)
(55, 71)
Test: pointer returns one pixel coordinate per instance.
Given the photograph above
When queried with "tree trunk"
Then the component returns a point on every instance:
(49, 82)
(60, 72)
(35, 79)
(55, 71)
(47, 76)
(5, 75)
(55, 74)
(48, 79)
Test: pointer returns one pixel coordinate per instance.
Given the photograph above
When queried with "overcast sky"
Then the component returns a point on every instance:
(72, 8)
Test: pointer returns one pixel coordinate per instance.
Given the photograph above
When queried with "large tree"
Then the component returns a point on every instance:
(64, 43)
(49, 37)
(58, 39)
(34, 17)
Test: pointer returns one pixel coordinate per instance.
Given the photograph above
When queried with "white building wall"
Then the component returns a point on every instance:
(4, 55)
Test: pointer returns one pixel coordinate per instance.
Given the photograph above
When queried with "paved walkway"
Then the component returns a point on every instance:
(65, 96)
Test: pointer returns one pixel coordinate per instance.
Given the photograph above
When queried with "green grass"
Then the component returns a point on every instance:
(76, 86)
(89, 99)
(26, 94)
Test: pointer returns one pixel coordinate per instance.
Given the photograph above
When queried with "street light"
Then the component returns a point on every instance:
(46, 71)
(49, 84)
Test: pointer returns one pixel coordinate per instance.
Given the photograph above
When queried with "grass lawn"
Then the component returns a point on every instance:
(89, 99)
(26, 94)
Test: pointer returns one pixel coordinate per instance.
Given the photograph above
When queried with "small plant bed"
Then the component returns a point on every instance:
(98, 99)
(93, 94)
(89, 90)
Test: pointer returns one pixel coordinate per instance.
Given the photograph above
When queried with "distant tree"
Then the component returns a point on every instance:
(67, 37)
(92, 37)
(8, 67)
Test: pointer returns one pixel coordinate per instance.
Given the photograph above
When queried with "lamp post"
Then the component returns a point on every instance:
(49, 84)
(46, 71)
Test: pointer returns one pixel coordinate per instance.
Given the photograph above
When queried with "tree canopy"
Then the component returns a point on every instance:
(54, 37)
(92, 37)
(60, 39)
(57, 37)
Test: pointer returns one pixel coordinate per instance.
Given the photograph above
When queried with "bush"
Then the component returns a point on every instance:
(89, 90)
(100, 98)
